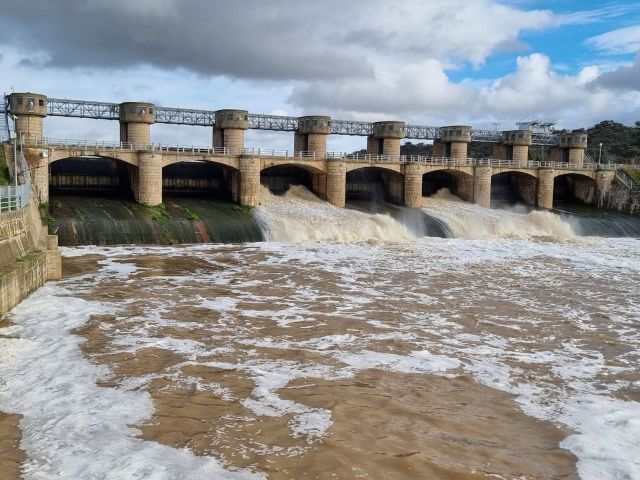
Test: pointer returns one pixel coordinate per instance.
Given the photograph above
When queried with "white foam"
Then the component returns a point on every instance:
(314, 423)
(417, 362)
(572, 385)
(12, 348)
(71, 428)
(608, 436)
(299, 216)
(471, 221)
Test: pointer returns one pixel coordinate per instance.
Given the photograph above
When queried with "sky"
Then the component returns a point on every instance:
(483, 63)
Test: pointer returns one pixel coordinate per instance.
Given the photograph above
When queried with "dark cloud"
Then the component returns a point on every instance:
(252, 39)
(622, 78)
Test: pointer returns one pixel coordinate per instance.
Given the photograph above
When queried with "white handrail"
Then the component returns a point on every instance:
(16, 196)
(350, 157)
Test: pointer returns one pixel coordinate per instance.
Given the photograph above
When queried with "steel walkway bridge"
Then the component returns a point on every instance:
(206, 118)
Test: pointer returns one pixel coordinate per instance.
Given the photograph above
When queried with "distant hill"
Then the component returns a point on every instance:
(620, 144)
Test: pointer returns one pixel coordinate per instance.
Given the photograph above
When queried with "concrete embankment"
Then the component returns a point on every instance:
(28, 256)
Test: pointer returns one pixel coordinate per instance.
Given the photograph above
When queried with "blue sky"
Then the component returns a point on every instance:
(566, 45)
(435, 62)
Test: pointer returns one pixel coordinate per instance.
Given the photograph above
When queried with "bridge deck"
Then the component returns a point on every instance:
(101, 148)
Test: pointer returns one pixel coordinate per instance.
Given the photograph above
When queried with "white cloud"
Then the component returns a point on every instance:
(621, 41)
(286, 40)
(405, 48)
(409, 90)
(423, 93)
(623, 78)
(596, 15)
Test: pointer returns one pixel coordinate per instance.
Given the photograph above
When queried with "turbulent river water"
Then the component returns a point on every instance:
(347, 344)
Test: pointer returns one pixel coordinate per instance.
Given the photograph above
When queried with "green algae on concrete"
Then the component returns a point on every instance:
(92, 220)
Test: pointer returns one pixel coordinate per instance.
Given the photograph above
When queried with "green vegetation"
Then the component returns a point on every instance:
(45, 215)
(620, 143)
(191, 215)
(160, 215)
(4, 174)
(241, 208)
(158, 212)
(5, 178)
(633, 172)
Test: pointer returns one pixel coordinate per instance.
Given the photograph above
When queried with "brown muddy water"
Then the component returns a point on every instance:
(437, 358)
(400, 358)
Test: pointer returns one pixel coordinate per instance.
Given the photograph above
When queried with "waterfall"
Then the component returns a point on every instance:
(300, 216)
(92, 220)
(467, 220)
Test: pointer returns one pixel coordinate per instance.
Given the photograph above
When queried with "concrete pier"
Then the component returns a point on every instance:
(29, 110)
(336, 182)
(545, 188)
(455, 139)
(136, 119)
(482, 186)
(413, 186)
(312, 134)
(516, 146)
(386, 138)
(576, 143)
(149, 190)
(229, 129)
(249, 181)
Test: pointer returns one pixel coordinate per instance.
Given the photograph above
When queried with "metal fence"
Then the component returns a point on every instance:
(16, 196)
(625, 179)
(4, 126)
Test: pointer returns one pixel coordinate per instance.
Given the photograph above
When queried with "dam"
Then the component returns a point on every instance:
(239, 313)
(136, 169)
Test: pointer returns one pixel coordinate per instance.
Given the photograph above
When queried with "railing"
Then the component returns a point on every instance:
(100, 144)
(352, 157)
(624, 178)
(189, 149)
(4, 122)
(16, 196)
(367, 157)
(443, 160)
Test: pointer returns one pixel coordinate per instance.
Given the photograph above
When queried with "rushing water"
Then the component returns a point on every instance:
(85, 220)
(346, 345)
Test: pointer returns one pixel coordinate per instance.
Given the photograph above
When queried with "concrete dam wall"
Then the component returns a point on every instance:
(28, 256)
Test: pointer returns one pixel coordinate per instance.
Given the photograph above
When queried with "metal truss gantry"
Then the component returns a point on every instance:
(206, 118)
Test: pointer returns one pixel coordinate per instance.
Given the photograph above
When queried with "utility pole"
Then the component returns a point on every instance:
(600, 154)
(15, 163)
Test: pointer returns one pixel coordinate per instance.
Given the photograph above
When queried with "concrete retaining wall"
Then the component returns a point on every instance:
(28, 256)
(620, 198)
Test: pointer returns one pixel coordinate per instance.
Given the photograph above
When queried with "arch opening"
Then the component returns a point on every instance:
(280, 178)
(573, 188)
(375, 184)
(198, 179)
(512, 188)
(458, 183)
(92, 176)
